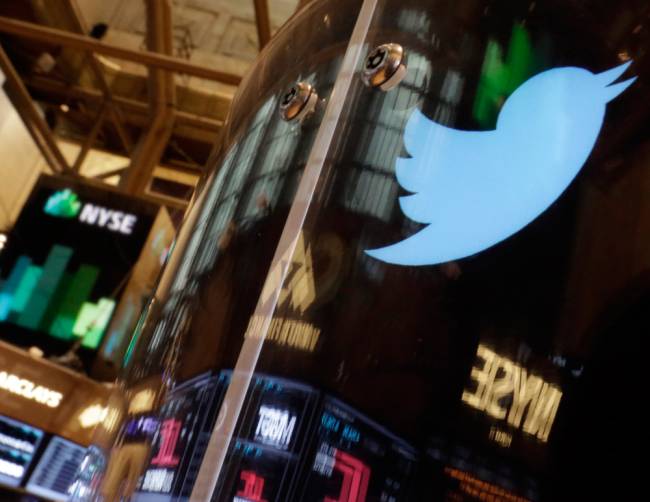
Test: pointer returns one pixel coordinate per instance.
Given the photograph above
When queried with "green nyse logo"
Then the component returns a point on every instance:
(63, 204)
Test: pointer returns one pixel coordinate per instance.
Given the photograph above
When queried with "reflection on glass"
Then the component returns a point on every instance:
(480, 490)
(474, 379)
(505, 390)
(499, 77)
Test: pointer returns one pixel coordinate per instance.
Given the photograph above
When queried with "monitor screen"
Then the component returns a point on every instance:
(354, 460)
(62, 282)
(291, 441)
(56, 469)
(263, 459)
(18, 445)
(180, 437)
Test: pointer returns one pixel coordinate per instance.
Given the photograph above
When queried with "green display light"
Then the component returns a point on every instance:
(78, 291)
(63, 204)
(25, 288)
(52, 300)
(501, 76)
(92, 321)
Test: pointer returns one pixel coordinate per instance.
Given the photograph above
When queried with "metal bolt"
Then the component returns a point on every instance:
(376, 58)
(298, 102)
(289, 96)
(385, 67)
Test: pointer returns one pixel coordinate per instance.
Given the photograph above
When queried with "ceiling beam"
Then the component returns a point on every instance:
(263, 22)
(161, 199)
(90, 138)
(82, 42)
(114, 113)
(118, 171)
(34, 122)
(65, 91)
(162, 100)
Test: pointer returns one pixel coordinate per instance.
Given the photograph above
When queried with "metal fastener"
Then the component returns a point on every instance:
(385, 67)
(299, 101)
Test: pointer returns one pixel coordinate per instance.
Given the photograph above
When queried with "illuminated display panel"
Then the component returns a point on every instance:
(56, 469)
(469, 485)
(180, 438)
(264, 458)
(18, 445)
(286, 445)
(446, 165)
(29, 390)
(455, 470)
(355, 460)
(62, 283)
(90, 470)
(257, 473)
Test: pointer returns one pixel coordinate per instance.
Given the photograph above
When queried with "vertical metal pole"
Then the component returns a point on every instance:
(263, 22)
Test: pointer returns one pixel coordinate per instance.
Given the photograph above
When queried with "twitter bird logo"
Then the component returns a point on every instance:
(476, 188)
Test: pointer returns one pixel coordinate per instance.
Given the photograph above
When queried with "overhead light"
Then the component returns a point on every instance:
(143, 401)
(64, 108)
(3, 240)
(92, 415)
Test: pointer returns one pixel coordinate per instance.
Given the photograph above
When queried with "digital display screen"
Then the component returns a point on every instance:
(356, 460)
(263, 460)
(56, 469)
(181, 436)
(291, 443)
(257, 473)
(466, 484)
(461, 472)
(140, 428)
(61, 283)
(18, 445)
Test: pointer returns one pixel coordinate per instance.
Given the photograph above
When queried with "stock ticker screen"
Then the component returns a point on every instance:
(292, 443)
(264, 458)
(66, 261)
(18, 445)
(56, 469)
(353, 459)
(180, 440)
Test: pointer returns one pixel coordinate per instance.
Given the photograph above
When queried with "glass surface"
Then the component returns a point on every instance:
(497, 359)
(193, 328)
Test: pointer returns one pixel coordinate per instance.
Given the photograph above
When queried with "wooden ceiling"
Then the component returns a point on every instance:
(149, 81)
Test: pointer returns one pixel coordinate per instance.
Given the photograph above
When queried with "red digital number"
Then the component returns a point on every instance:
(169, 432)
(253, 487)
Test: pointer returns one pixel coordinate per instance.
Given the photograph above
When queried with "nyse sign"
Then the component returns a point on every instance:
(66, 204)
(506, 391)
(113, 220)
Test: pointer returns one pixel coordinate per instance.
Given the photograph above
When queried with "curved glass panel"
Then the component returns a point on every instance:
(432, 292)
(193, 328)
